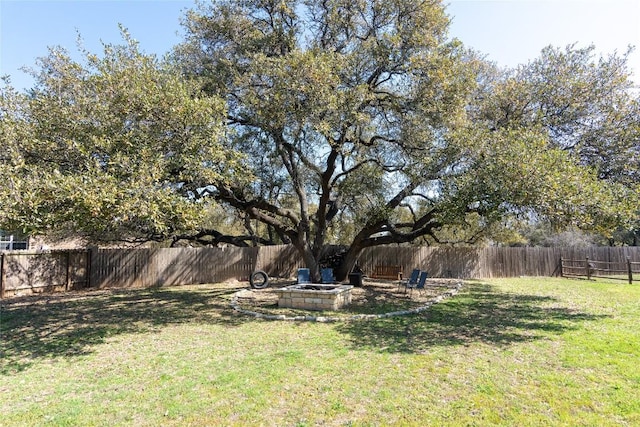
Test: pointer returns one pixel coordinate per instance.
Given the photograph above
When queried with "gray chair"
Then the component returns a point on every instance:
(327, 275)
(304, 275)
(412, 280)
(421, 282)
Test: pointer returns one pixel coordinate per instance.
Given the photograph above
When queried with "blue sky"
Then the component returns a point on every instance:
(507, 31)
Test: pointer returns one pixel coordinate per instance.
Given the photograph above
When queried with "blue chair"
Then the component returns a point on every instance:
(327, 275)
(412, 280)
(421, 282)
(304, 275)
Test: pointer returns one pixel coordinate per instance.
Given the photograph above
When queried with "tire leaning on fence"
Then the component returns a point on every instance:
(259, 279)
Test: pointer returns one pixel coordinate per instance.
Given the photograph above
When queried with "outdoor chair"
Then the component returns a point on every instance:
(412, 280)
(421, 282)
(327, 275)
(304, 275)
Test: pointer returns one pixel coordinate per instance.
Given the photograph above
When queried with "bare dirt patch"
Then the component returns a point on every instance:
(374, 297)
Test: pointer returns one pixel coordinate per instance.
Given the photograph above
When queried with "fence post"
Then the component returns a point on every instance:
(87, 270)
(629, 270)
(588, 269)
(68, 281)
(2, 275)
(561, 267)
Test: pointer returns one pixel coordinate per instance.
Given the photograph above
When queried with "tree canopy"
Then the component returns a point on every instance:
(585, 105)
(365, 113)
(112, 148)
(352, 121)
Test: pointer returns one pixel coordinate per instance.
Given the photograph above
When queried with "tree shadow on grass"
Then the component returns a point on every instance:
(480, 313)
(71, 324)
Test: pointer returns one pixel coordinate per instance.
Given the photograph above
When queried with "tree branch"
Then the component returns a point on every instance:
(212, 237)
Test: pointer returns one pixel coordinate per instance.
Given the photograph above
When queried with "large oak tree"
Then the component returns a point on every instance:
(357, 121)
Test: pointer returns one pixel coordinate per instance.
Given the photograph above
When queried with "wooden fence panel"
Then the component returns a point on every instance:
(114, 268)
(438, 262)
(202, 266)
(279, 261)
(462, 263)
(175, 267)
(237, 263)
(513, 262)
(34, 272)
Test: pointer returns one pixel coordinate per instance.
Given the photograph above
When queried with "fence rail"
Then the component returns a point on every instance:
(23, 272)
(589, 268)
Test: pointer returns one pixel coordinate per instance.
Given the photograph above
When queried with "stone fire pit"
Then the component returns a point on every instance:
(311, 296)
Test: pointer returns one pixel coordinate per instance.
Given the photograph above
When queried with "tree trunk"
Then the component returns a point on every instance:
(349, 262)
(310, 262)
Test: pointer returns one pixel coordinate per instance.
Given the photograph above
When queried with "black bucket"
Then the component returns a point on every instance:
(355, 279)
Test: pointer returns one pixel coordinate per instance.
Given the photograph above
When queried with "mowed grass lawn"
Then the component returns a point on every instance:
(513, 352)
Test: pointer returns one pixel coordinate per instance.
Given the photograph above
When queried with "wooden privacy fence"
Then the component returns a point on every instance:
(23, 272)
(488, 262)
(464, 262)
